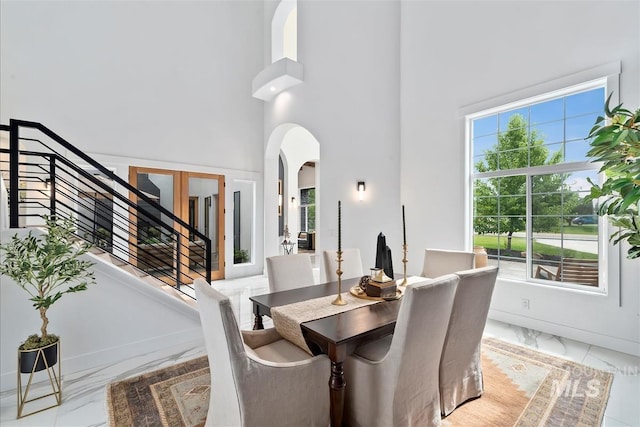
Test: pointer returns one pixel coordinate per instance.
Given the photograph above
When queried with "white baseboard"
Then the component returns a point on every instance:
(617, 344)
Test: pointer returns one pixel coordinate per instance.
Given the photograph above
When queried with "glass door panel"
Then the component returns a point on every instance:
(153, 243)
(195, 198)
(205, 211)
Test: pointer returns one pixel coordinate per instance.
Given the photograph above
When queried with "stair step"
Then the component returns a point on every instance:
(190, 301)
(103, 255)
(117, 261)
(96, 250)
(154, 281)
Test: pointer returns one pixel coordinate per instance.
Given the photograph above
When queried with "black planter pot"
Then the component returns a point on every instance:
(37, 357)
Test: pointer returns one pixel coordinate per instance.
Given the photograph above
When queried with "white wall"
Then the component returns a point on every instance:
(349, 101)
(455, 54)
(117, 318)
(163, 81)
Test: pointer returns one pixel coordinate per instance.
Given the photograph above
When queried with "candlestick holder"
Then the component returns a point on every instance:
(339, 300)
(404, 262)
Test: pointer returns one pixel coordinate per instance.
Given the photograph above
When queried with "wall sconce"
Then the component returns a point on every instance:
(361, 189)
(293, 202)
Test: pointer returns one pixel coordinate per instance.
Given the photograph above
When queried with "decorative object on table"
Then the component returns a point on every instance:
(364, 280)
(377, 275)
(482, 259)
(287, 244)
(616, 143)
(384, 292)
(404, 250)
(339, 300)
(383, 256)
(380, 285)
(46, 267)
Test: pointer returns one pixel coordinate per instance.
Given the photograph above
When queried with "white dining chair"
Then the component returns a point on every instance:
(438, 262)
(289, 272)
(460, 367)
(274, 383)
(393, 381)
(351, 264)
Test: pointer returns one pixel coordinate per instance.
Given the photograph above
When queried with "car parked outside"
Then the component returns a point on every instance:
(585, 219)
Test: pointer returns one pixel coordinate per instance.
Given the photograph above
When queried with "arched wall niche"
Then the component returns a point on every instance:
(296, 145)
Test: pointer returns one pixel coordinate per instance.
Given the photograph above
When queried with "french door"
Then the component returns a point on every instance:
(195, 198)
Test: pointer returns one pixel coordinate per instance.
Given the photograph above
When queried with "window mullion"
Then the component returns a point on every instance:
(528, 230)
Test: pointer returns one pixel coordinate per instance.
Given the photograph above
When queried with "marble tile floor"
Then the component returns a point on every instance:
(84, 392)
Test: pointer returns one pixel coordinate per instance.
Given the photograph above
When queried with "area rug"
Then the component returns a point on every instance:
(523, 387)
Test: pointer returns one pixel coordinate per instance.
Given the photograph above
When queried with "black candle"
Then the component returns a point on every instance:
(339, 226)
(404, 228)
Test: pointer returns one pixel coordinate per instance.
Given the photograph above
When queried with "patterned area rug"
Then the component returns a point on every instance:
(523, 387)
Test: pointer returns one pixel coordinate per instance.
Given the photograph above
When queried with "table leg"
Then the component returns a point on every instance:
(257, 322)
(337, 384)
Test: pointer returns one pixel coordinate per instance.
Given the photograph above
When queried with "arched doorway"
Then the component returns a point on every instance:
(297, 147)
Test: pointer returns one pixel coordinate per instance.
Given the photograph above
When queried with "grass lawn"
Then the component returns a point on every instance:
(518, 244)
(578, 229)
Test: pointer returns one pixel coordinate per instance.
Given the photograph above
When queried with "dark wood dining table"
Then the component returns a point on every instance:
(337, 335)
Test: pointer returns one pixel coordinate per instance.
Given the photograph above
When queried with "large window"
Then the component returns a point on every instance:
(529, 179)
(307, 209)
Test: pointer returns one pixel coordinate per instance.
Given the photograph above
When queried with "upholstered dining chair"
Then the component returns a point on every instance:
(393, 381)
(289, 272)
(438, 262)
(273, 384)
(460, 367)
(351, 264)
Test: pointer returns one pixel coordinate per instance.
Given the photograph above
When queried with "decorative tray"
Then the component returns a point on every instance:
(359, 293)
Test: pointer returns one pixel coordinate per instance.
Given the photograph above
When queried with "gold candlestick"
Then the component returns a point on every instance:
(339, 300)
(404, 262)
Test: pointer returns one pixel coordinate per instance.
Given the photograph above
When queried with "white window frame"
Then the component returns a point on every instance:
(606, 76)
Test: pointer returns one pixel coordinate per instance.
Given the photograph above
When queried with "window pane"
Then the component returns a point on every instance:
(547, 111)
(550, 131)
(576, 151)
(554, 153)
(507, 116)
(579, 127)
(483, 143)
(486, 163)
(307, 196)
(485, 126)
(585, 102)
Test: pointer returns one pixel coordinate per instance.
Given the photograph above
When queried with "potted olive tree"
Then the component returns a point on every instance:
(46, 267)
(615, 141)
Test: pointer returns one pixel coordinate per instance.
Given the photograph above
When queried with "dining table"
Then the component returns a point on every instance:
(337, 335)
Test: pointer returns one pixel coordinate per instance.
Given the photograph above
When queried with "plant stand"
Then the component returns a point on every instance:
(41, 363)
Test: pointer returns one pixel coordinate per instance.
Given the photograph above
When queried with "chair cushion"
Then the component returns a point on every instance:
(375, 350)
(280, 351)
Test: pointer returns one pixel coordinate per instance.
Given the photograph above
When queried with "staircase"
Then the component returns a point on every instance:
(46, 175)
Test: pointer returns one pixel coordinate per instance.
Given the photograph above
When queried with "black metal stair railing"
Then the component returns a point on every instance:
(107, 210)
